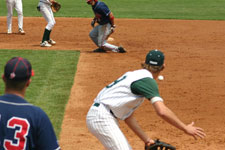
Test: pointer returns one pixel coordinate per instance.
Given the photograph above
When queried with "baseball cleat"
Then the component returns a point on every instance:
(51, 42)
(45, 44)
(121, 50)
(21, 31)
(99, 50)
(9, 31)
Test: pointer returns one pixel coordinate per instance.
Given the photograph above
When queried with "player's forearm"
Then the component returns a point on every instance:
(111, 17)
(165, 113)
(134, 126)
(174, 120)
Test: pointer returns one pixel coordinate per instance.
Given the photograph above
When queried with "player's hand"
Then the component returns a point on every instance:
(194, 131)
(149, 142)
(113, 28)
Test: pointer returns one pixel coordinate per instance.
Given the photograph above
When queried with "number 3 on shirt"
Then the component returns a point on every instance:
(115, 82)
(20, 134)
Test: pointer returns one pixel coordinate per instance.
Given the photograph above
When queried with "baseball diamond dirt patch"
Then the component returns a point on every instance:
(194, 84)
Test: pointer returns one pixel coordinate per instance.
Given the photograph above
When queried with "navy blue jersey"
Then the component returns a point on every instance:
(24, 126)
(102, 12)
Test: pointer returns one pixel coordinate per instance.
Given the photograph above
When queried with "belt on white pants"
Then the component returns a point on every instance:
(98, 104)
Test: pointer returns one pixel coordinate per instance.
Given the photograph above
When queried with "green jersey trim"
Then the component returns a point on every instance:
(146, 87)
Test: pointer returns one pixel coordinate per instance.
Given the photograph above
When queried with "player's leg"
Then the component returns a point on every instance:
(94, 37)
(47, 14)
(19, 9)
(10, 5)
(103, 34)
(104, 126)
(51, 25)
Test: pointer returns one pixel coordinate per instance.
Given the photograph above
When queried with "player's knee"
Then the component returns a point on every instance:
(20, 13)
(91, 35)
(94, 39)
(9, 15)
(50, 25)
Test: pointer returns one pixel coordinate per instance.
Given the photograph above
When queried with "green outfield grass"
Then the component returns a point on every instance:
(155, 9)
(51, 85)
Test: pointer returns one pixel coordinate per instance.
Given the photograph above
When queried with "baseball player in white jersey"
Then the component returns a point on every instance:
(17, 4)
(44, 6)
(121, 98)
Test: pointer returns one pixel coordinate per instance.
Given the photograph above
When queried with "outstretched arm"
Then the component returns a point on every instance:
(164, 112)
(134, 126)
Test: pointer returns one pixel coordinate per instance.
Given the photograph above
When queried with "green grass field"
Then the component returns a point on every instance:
(50, 87)
(55, 70)
(157, 9)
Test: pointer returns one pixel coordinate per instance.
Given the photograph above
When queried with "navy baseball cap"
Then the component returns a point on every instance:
(18, 68)
(155, 58)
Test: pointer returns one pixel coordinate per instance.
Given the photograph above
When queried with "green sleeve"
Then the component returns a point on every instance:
(146, 87)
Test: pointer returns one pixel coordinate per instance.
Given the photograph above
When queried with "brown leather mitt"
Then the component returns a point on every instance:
(159, 145)
(55, 6)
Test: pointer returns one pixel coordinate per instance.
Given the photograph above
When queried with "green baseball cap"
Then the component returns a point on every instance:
(155, 58)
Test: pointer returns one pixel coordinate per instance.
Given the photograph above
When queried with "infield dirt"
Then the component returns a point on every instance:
(193, 85)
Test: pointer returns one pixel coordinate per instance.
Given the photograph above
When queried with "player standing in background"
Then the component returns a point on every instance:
(17, 4)
(23, 126)
(44, 6)
(121, 98)
(100, 33)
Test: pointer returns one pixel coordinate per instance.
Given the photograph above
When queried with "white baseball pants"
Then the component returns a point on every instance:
(17, 4)
(99, 34)
(105, 127)
(47, 13)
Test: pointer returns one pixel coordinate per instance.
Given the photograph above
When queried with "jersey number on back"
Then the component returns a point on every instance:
(115, 82)
(20, 133)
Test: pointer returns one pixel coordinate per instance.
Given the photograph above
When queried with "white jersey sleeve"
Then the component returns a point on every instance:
(118, 95)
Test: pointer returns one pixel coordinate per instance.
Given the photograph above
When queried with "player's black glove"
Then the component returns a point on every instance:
(38, 8)
(161, 145)
(93, 23)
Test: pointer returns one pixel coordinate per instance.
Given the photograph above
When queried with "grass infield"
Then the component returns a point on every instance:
(50, 87)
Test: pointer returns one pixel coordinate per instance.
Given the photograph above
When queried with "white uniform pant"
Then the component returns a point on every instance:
(47, 13)
(99, 36)
(105, 127)
(17, 4)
